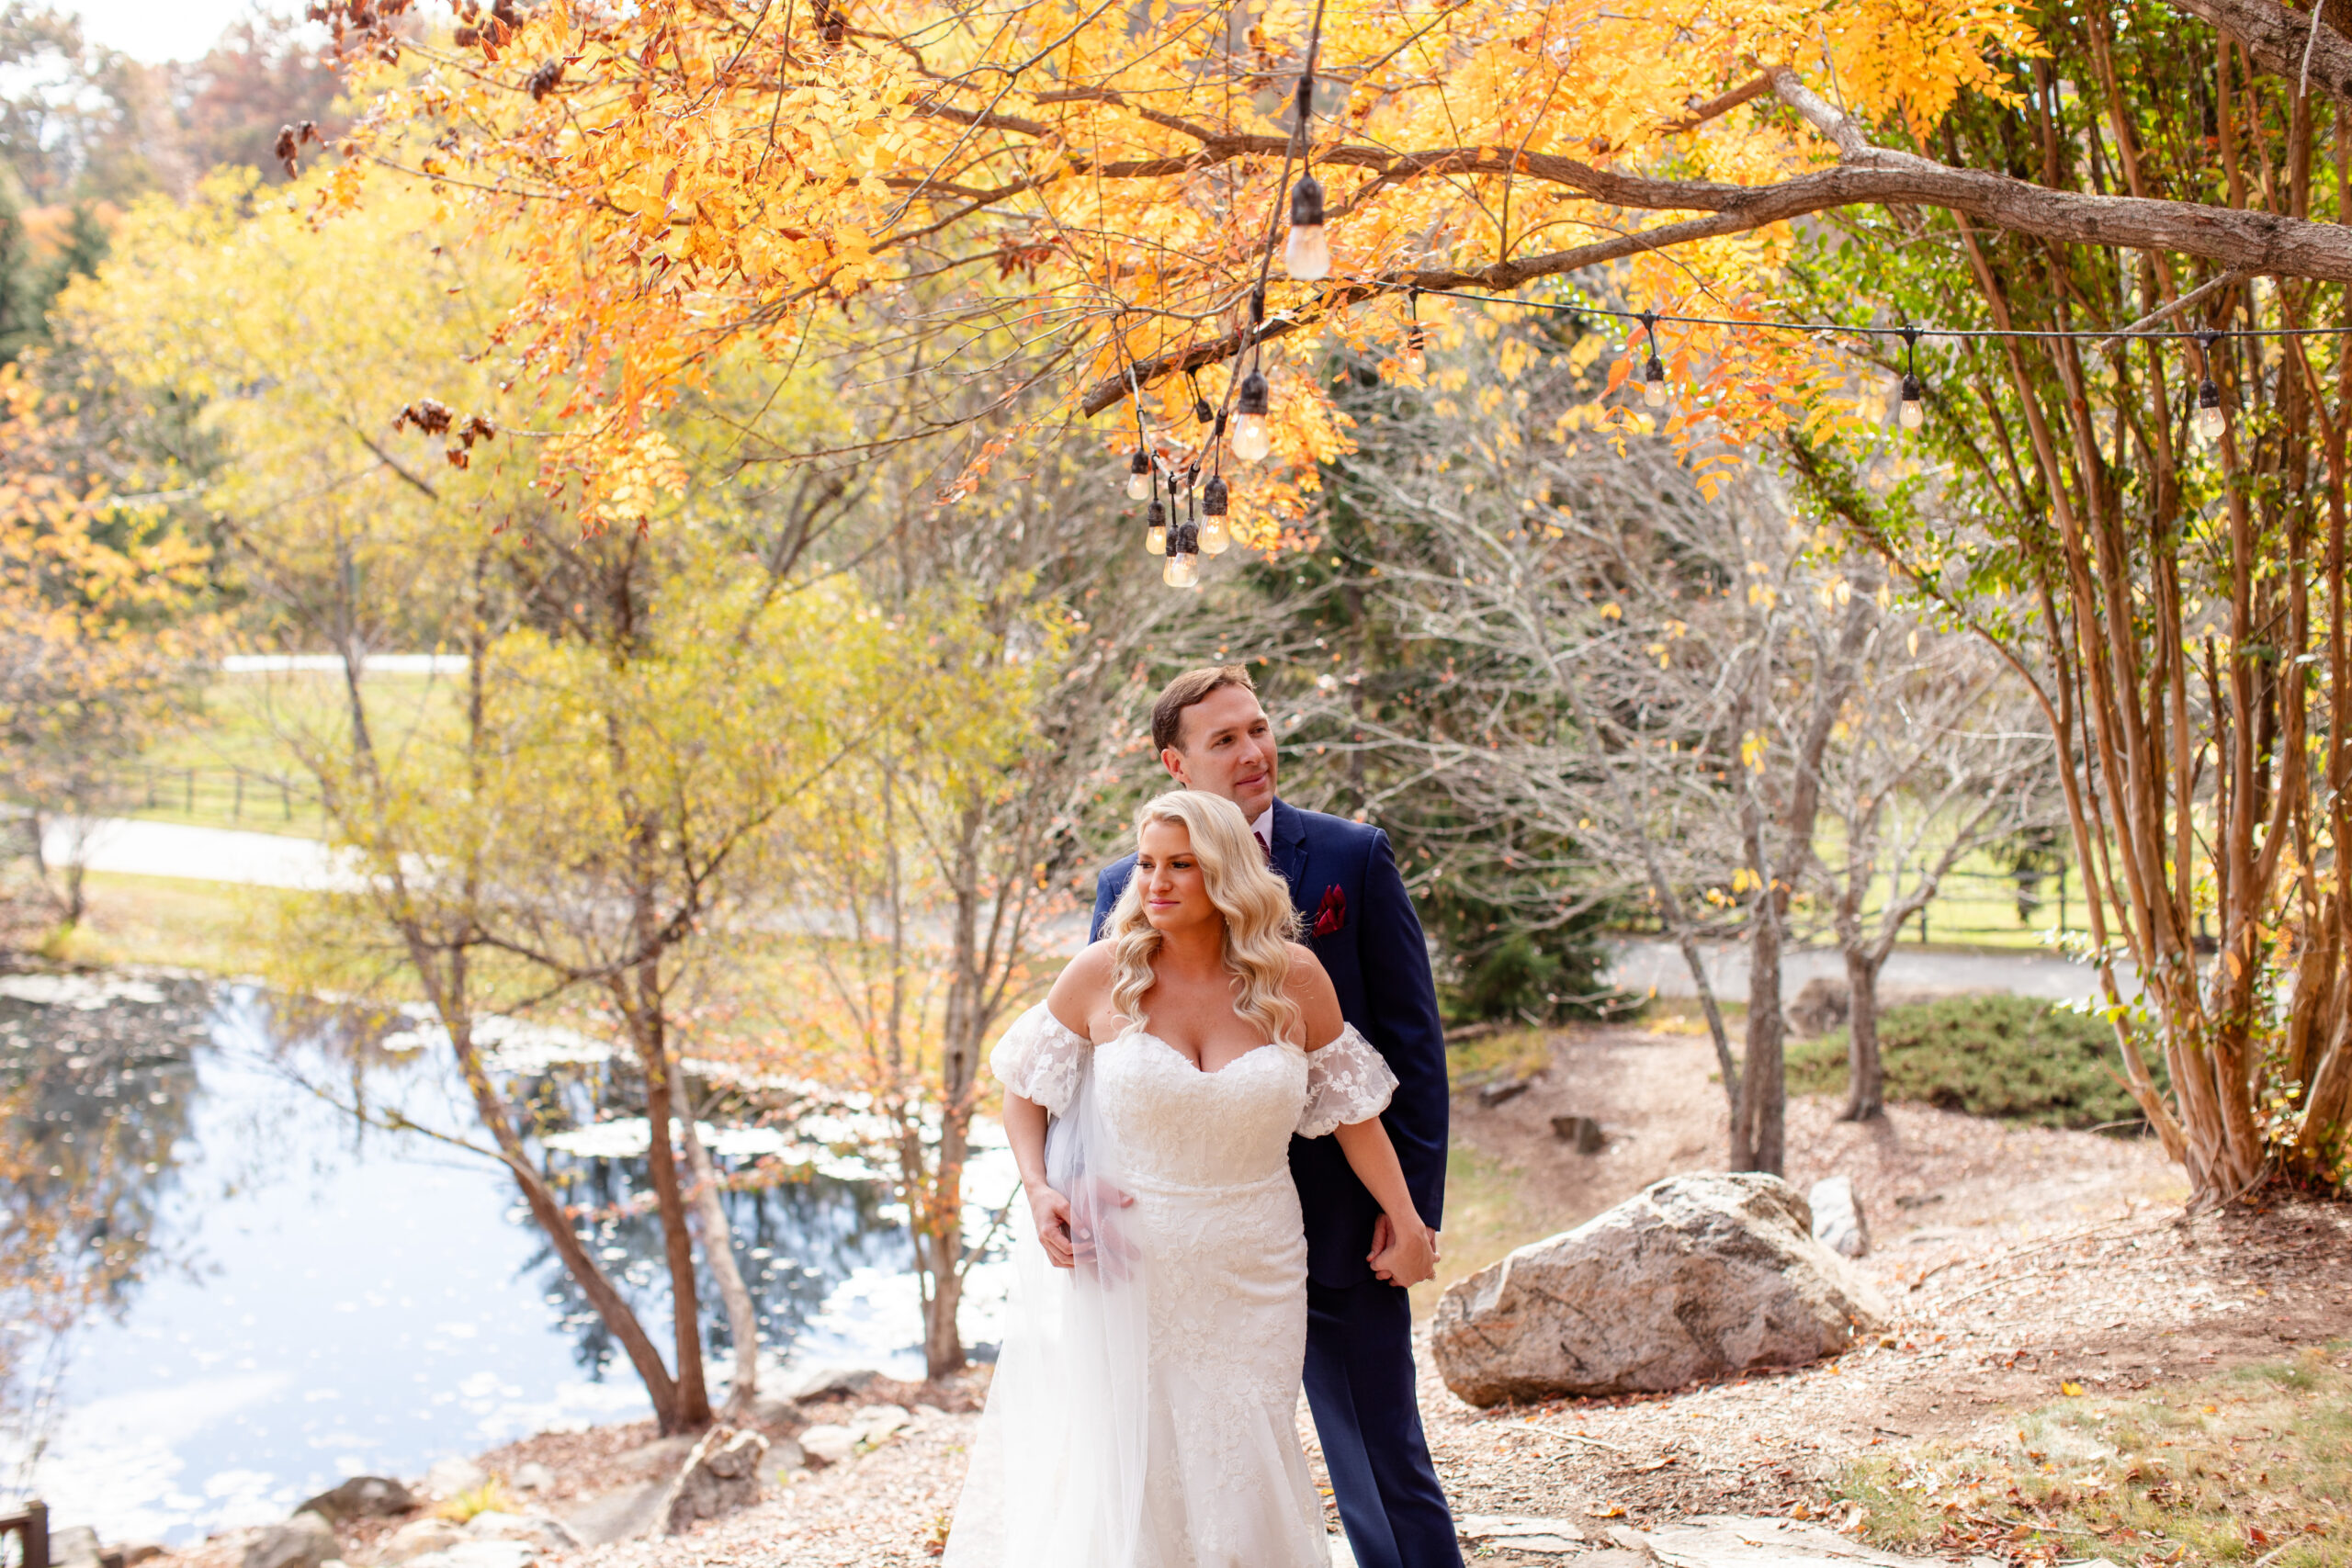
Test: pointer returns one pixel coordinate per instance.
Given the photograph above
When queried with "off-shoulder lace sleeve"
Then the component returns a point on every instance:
(1040, 1059)
(1347, 1082)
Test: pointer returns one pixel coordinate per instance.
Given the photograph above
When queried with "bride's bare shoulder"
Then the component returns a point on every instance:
(1084, 987)
(1319, 1004)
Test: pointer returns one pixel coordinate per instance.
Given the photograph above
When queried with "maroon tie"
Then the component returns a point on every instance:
(1267, 848)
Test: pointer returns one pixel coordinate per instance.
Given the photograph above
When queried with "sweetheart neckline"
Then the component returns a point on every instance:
(1205, 1072)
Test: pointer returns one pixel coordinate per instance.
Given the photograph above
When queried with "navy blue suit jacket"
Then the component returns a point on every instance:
(1380, 967)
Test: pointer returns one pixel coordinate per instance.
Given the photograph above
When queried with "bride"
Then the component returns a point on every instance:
(1144, 1409)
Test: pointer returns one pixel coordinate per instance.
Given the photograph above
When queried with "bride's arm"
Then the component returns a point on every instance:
(1410, 1254)
(1072, 1003)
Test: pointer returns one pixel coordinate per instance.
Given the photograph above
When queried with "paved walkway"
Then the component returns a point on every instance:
(132, 848)
(1647, 965)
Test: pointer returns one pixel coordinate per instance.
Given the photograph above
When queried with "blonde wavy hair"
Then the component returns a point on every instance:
(1259, 920)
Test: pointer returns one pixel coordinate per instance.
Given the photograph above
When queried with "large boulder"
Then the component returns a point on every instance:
(720, 1475)
(1700, 1277)
(303, 1541)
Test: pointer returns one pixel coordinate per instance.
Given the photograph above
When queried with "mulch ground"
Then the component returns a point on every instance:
(2016, 1261)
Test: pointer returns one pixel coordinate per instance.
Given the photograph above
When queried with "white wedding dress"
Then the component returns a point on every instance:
(1144, 1409)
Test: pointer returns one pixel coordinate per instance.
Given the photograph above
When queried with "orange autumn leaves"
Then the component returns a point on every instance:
(1044, 194)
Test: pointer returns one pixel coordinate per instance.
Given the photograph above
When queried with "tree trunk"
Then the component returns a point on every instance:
(1866, 1077)
(719, 1251)
(943, 1245)
(612, 1310)
(1759, 1132)
(693, 1408)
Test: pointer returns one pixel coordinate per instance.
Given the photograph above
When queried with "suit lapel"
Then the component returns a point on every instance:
(1290, 846)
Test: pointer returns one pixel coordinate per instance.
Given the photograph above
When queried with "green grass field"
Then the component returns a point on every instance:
(239, 765)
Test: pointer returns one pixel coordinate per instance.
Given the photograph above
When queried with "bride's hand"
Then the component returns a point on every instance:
(1051, 1211)
(1404, 1255)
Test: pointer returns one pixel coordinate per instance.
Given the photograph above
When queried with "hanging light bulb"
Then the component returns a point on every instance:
(1155, 533)
(1251, 440)
(1417, 357)
(2210, 421)
(1307, 254)
(1138, 476)
(1912, 411)
(1215, 537)
(1183, 567)
(1654, 382)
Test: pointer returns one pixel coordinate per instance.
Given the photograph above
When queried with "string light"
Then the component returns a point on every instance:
(1307, 255)
(1911, 407)
(1138, 476)
(1216, 537)
(1155, 533)
(1417, 357)
(1184, 568)
(1653, 373)
(2210, 421)
(1251, 440)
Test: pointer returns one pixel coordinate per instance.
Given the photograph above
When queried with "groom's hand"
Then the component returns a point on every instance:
(1051, 1211)
(1388, 1264)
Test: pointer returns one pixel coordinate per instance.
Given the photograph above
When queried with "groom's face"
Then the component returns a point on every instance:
(1224, 746)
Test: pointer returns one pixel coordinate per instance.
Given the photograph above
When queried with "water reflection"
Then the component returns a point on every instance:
(279, 1296)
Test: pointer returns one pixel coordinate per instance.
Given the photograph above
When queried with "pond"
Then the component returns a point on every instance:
(279, 1296)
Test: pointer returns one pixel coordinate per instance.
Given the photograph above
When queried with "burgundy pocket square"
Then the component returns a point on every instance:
(1333, 912)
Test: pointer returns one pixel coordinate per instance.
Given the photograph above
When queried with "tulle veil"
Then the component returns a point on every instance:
(1057, 1464)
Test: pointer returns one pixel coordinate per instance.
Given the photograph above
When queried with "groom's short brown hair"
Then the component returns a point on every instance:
(1191, 686)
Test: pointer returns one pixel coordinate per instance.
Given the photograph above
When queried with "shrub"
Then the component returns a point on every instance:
(490, 1497)
(2012, 1058)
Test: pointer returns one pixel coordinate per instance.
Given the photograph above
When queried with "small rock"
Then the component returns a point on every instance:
(134, 1552)
(1698, 1278)
(720, 1477)
(417, 1537)
(538, 1529)
(834, 1384)
(1514, 1532)
(533, 1476)
(76, 1548)
(784, 1456)
(1821, 1005)
(303, 1541)
(1584, 1132)
(832, 1444)
(1838, 1222)
(362, 1497)
(660, 1458)
(448, 1477)
(876, 1423)
(479, 1554)
(1502, 1093)
(775, 1412)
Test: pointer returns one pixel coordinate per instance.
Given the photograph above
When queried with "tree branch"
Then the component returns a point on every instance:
(2276, 39)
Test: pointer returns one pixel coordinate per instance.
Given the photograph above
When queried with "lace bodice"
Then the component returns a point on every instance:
(1169, 1114)
(1200, 1287)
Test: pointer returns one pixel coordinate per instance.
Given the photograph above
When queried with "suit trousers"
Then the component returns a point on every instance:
(1359, 1386)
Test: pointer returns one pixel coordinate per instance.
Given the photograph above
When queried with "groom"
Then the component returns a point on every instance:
(1213, 736)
